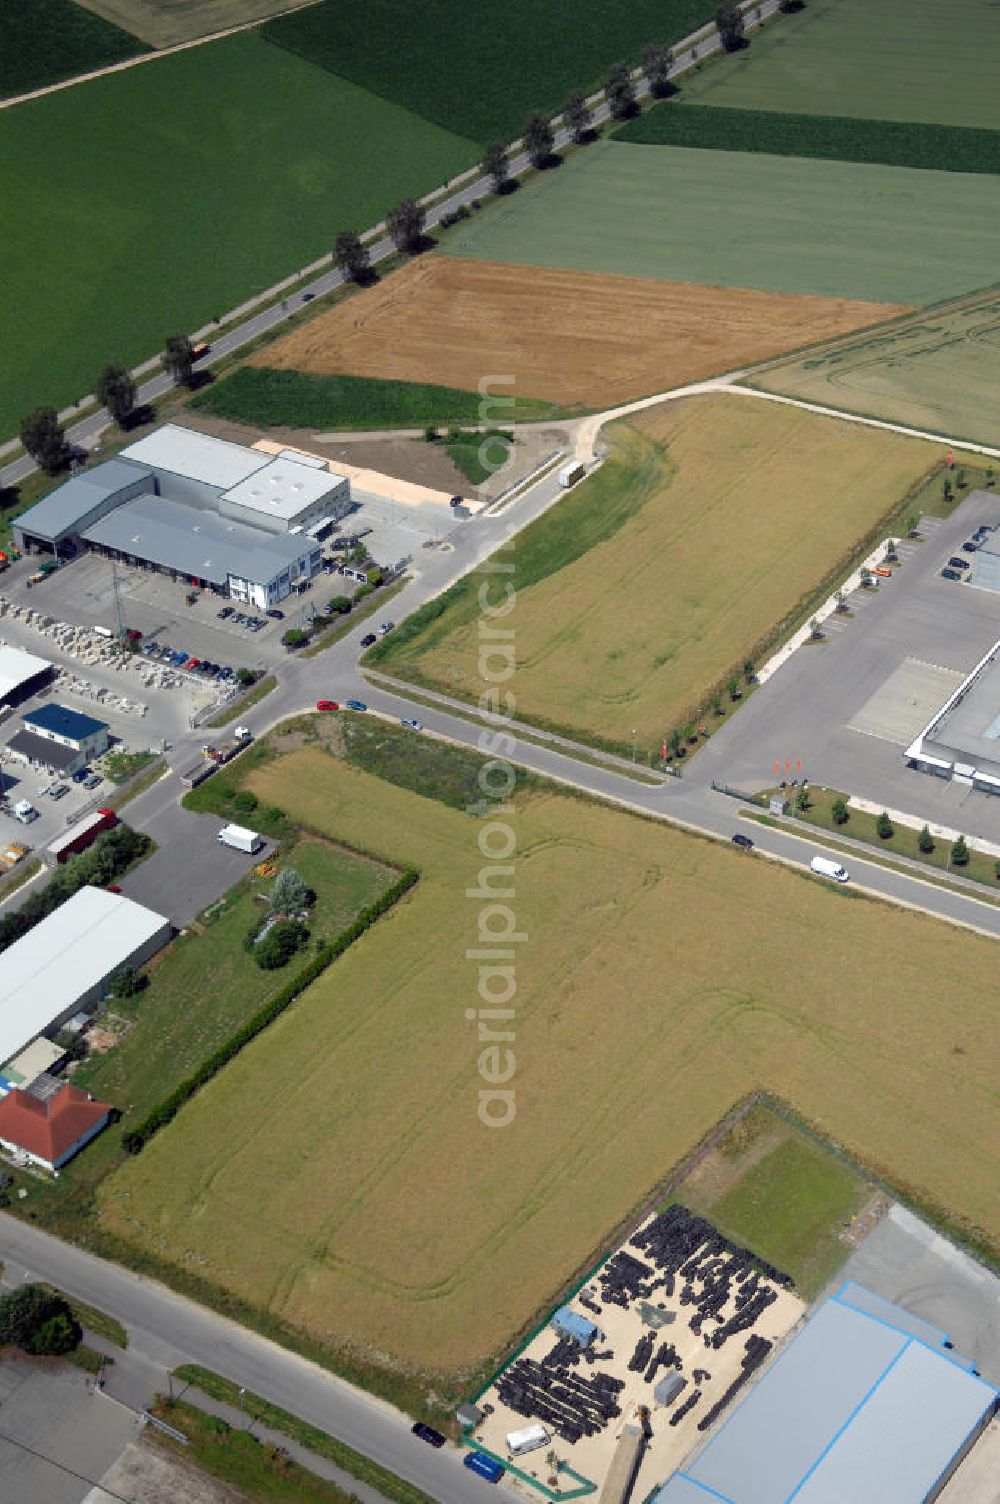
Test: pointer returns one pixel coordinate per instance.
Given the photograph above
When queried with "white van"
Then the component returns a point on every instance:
(823, 866)
(519, 1442)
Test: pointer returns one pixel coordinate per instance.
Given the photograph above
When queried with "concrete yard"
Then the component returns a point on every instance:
(845, 709)
(977, 1480)
(620, 1329)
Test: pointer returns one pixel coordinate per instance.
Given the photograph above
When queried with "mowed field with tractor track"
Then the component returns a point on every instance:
(940, 373)
(563, 335)
(337, 1172)
(741, 219)
(729, 512)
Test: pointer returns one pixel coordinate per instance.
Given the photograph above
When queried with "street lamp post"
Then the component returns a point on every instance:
(242, 1393)
(633, 745)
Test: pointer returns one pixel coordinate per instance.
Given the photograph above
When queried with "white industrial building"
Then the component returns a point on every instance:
(20, 673)
(218, 515)
(961, 741)
(65, 963)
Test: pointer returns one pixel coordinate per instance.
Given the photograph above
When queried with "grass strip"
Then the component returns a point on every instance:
(139, 784)
(119, 766)
(259, 1471)
(98, 1322)
(891, 143)
(359, 1466)
(253, 696)
(265, 397)
(23, 873)
(86, 1358)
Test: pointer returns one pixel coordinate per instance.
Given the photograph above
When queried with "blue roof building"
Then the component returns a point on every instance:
(866, 1405)
(62, 724)
(569, 1323)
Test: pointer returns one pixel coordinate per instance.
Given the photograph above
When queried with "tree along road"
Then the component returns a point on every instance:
(88, 430)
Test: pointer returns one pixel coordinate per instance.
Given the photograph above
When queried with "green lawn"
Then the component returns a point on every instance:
(477, 72)
(789, 1208)
(842, 138)
(885, 59)
(157, 198)
(43, 41)
(206, 986)
(735, 219)
(266, 397)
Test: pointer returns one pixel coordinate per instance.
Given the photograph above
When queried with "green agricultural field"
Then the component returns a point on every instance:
(941, 373)
(43, 41)
(377, 1214)
(476, 72)
(272, 398)
(840, 229)
(687, 522)
(841, 138)
(878, 59)
(156, 198)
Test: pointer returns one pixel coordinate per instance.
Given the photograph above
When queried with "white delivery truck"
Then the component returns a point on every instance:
(25, 812)
(571, 473)
(824, 866)
(240, 839)
(519, 1442)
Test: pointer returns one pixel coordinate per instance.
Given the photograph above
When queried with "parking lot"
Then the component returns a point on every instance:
(845, 708)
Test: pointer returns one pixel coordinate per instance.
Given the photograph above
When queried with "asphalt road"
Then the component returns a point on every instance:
(166, 1330)
(87, 431)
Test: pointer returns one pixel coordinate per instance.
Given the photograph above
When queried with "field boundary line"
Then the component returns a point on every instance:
(148, 57)
(883, 423)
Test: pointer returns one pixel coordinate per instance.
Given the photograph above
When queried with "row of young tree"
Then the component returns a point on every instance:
(102, 863)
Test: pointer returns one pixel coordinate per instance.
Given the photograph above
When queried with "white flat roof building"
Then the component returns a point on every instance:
(284, 494)
(195, 456)
(18, 668)
(66, 961)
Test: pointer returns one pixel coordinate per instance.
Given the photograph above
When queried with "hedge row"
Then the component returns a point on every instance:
(135, 1139)
(892, 143)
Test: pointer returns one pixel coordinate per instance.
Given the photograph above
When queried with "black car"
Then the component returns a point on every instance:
(957, 563)
(368, 639)
(226, 611)
(428, 1434)
(971, 547)
(276, 615)
(950, 574)
(739, 839)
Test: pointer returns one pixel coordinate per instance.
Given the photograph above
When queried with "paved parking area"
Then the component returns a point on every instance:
(58, 1436)
(843, 708)
(907, 1261)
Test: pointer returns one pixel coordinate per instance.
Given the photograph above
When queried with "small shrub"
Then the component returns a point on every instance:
(245, 802)
(280, 944)
(58, 1335)
(841, 814)
(959, 853)
(802, 799)
(128, 982)
(925, 841)
(884, 828)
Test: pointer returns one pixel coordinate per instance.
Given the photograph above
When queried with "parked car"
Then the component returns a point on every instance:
(192, 665)
(413, 725)
(356, 705)
(971, 546)
(950, 574)
(133, 634)
(327, 705)
(386, 626)
(957, 563)
(882, 572)
(428, 1434)
(94, 781)
(81, 775)
(276, 615)
(368, 639)
(59, 790)
(226, 611)
(739, 839)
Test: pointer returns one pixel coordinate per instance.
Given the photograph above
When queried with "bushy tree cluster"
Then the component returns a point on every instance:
(37, 1321)
(280, 944)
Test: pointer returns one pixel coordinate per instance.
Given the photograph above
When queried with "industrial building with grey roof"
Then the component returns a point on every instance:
(866, 1405)
(219, 515)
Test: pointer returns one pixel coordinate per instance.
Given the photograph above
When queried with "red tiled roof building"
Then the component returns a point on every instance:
(50, 1132)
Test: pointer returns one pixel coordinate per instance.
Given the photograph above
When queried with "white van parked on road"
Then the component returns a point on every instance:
(825, 867)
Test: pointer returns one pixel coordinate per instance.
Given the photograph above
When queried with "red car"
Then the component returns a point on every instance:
(327, 705)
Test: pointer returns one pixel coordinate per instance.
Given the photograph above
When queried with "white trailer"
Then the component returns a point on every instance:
(823, 866)
(571, 473)
(240, 839)
(519, 1442)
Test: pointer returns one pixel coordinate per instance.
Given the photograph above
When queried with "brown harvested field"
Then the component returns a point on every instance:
(566, 336)
(337, 1173)
(164, 23)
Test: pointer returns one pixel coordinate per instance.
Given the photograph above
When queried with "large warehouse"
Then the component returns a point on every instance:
(20, 674)
(242, 522)
(961, 742)
(65, 963)
(866, 1405)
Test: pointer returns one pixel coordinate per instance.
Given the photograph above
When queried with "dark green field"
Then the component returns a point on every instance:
(474, 69)
(272, 398)
(893, 143)
(43, 41)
